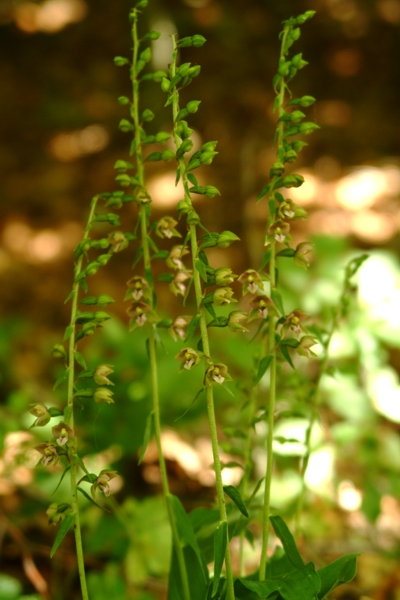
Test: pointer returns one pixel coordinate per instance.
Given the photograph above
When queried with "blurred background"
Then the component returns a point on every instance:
(59, 140)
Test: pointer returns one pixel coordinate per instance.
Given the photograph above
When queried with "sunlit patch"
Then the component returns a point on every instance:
(385, 392)
(67, 147)
(372, 226)
(45, 246)
(308, 192)
(320, 471)
(349, 497)
(388, 522)
(162, 48)
(362, 188)
(389, 10)
(330, 222)
(346, 62)
(342, 10)
(50, 16)
(379, 290)
(290, 435)
(17, 461)
(333, 113)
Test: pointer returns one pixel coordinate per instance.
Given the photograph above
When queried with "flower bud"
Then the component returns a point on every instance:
(167, 154)
(41, 412)
(206, 158)
(178, 328)
(120, 61)
(125, 125)
(147, 115)
(165, 84)
(193, 218)
(188, 358)
(234, 320)
(226, 238)
(224, 276)
(103, 395)
(123, 100)
(89, 328)
(198, 41)
(102, 483)
(193, 106)
(146, 55)
(58, 512)
(302, 250)
(183, 208)
(223, 296)
(304, 348)
(59, 352)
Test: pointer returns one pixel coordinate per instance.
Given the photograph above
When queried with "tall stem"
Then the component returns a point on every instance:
(205, 341)
(70, 415)
(152, 341)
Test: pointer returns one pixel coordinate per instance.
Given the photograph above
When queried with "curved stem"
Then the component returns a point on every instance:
(143, 215)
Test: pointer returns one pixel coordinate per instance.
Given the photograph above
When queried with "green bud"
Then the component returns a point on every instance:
(165, 84)
(147, 115)
(294, 34)
(292, 181)
(193, 106)
(123, 100)
(211, 191)
(185, 42)
(183, 208)
(193, 218)
(102, 395)
(209, 146)
(152, 35)
(123, 180)
(125, 125)
(277, 169)
(184, 147)
(142, 4)
(92, 268)
(297, 145)
(167, 154)
(183, 130)
(226, 238)
(123, 165)
(158, 76)
(162, 137)
(146, 55)
(296, 116)
(290, 156)
(284, 67)
(103, 243)
(100, 316)
(307, 128)
(194, 71)
(198, 41)
(103, 299)
(206, 158)
(89, 328)
(59, 352)
(184, 69)
(103, 259)
(120, 61)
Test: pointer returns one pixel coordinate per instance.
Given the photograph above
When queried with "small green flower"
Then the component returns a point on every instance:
(117, 241)
(49, 452)
(217, 373)
(63, 433)
(59, 352)
(102, 483)
(178, 328)
(223, 296)
(251, 282)
(304, 348)
(224, 276)
(178, 285)
(301, 253)
(103, 395)
(101, 375)
(188, 358)
(234, 320)
(166, 228)
(174, 260)
(278, 231)
(40, 411)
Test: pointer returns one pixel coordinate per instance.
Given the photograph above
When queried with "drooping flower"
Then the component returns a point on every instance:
(217, 373)
(101, 375)
(137, 288)
(224, 276)
(261, 305)
(166, 228)
(178, 327)
(174, 260)
(251, 281)
(137, 313)
(188, 358)
(304, 348)
(300, 258)
(234, 320)
(49, 452)
(40, 411)
(278, 231)
(63, 433)
(103, 395)
(223, 296)
(57, 512)
(178, 284)
(117, 241)
(293, 321)
(102, 483)
(290, 210)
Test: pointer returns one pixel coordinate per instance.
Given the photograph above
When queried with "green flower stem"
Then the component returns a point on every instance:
(143, 215)
(272, 350)
(70, 413)
(205, 342)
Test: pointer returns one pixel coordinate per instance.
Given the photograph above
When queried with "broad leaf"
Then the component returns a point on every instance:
(301, 584)
(235, 496)
(62, 532)
(340, 571)
(220, 542)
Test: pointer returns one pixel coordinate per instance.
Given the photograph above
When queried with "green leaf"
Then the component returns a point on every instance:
(62, 532)
(263, 192)
(192, 179)
(291, 342)
(263, 367)
(201, 268)
(68, 332)
(191, 330)
(67, 413)
(286, 252)
(61, 478)
(287, 540)
(220, 542)
(81, 464)
(235, 496)
(79, 359)
(148, 434)
(70, 295)
(277, 300)
(340, 571)
(286, 355)
(301, 584)
(189, 285)
(60, 379)
(265, 259)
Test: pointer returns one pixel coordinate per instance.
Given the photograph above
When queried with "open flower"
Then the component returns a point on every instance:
(251, 281)
(217, 373)
(138, 287)
(304, 348)
(137, 312)
(102, 483)
(178, 327)
(49, 453)
(188, 358)
(174, 260)
(57, 512)
(63, 433)
(224, 276)
(260, 307)
(166, 228)
(223, 296)
(178, 284)
(290, 210)
(234, 320)
(117, 241)
(278, 231)
(101, 375)
(300, 258)
(41, 412)
(293, 321)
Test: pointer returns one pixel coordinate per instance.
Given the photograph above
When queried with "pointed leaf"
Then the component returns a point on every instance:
(235, 496)
(81, 464)
(191, 330)
(70, 295)
(301, 584)
(148, 435)
(286, 355)
(287, 540)
(60, 379)
(201, 268)
(91, 499)
(277, 300)
(62, 532)
(79, 359)
(263, 367)
(265, 259)
(68, 331)
(61, 478)
(340, 571)
(220, 542)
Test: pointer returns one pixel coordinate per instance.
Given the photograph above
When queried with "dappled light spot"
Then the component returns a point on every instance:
(308, 192)
(362, 188)
(389, 10)
(333, 113)
(45, 246)
(68, 147)
(372, 226)
(346, 62)
(385, 392)
(342, 10)
(320, 471)
(162, 48)
(349, 497)
(51, 16)
(163, 191)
